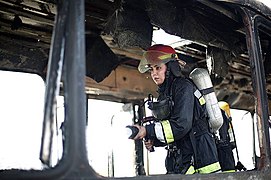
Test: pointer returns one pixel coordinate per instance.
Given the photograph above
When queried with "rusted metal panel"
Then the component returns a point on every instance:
(124, 82)
(129, 79)
(255, 5)
(252, 22)
(107, 84)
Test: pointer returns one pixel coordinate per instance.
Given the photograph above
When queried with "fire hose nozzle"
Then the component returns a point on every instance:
(132, 131)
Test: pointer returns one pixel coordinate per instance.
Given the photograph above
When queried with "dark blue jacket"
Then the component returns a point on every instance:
(186, 126)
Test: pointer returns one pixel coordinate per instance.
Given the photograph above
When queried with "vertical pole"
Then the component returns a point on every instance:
(55, 63)
(69, 46)
(138, 115)
(74, 80)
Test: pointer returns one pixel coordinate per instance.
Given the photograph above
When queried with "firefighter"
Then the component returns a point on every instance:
(180, 116)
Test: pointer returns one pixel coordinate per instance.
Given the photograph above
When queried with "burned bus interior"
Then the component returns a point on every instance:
(91, 49)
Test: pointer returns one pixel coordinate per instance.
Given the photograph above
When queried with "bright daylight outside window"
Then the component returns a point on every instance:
(21, 106)
(110, 152)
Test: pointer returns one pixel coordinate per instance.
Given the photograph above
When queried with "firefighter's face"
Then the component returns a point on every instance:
(158, 73)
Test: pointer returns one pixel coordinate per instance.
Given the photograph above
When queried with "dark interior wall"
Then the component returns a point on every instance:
(20, 55)
(100, 60)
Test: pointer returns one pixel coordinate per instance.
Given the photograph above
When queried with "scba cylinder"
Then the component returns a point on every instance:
(202, 80)
(226, 107)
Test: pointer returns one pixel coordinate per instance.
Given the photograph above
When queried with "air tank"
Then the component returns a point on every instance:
(202, 80)
(226, 107)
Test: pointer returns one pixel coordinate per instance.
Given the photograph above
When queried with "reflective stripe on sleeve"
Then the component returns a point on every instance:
(209, 168)
(167, 131)
(159, 132)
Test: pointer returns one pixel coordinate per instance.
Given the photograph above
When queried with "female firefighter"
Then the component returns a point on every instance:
(180, 116)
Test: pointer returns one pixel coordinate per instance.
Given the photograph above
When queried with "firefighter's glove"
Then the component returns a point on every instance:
(141, 132)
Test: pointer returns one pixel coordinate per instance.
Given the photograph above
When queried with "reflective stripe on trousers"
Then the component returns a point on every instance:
(215, 167)
(209, 168)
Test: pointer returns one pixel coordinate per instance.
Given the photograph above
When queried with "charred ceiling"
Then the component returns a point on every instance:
(117, 32)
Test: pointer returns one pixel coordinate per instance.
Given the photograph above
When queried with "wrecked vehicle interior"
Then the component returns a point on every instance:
(97, 45)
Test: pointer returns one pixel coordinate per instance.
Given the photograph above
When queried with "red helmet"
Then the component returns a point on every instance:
(156, 54)
(162, 48)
